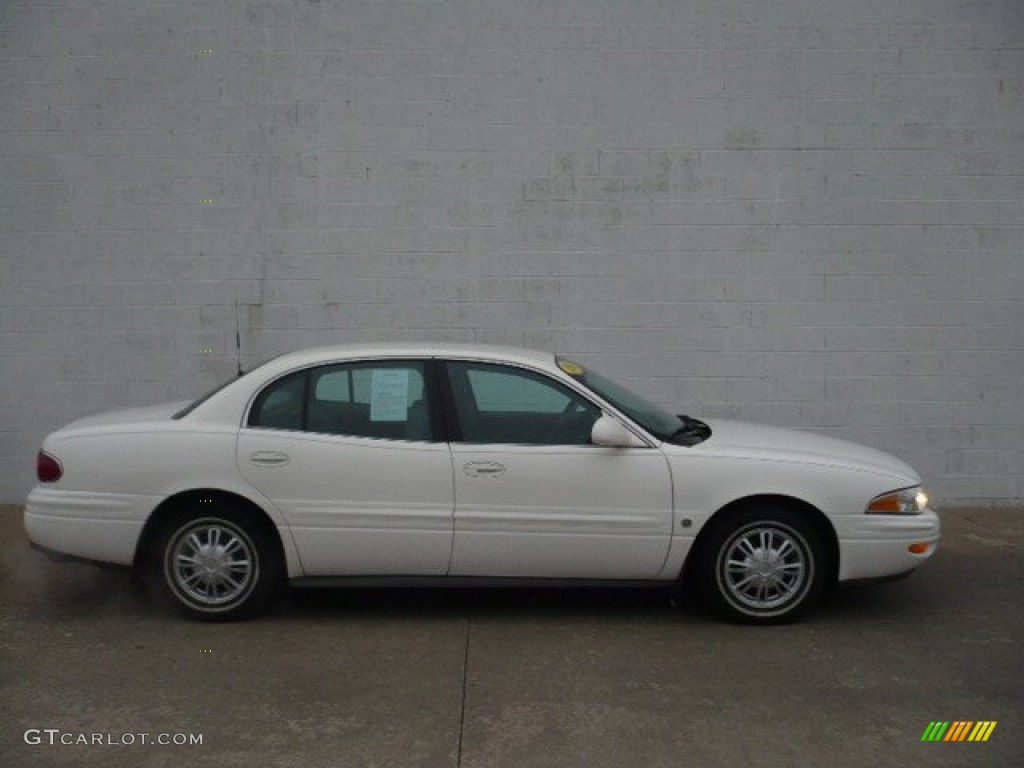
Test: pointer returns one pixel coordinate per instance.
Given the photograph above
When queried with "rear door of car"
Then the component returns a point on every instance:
(349, 453)
(534, 497)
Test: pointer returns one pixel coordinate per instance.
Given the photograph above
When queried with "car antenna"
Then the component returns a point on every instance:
(238, 341)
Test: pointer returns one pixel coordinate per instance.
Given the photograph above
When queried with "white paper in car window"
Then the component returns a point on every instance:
(389, 394)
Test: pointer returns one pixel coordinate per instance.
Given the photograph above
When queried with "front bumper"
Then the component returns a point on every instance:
(879, 546)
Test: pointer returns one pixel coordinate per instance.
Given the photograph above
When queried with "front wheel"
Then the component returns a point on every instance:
(218, 566)
(761, 566)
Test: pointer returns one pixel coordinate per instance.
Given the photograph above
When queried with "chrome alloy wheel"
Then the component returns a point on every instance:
(212, 564)
(764, 567)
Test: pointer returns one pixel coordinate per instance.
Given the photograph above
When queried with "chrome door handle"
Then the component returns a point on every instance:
(484, 468)
(269, 458)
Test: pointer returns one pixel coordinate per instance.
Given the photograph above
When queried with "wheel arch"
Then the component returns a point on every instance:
(822, 525)
(172, 505)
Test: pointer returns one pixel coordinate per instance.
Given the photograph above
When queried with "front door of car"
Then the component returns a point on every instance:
(347, 452)
(534, 497)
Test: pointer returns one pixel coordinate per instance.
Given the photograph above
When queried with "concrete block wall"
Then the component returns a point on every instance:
(805, 212)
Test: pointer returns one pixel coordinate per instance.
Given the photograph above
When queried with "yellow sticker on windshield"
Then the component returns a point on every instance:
(573, 369)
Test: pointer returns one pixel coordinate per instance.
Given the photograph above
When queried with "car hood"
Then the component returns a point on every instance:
(147, 414)
(740, 440)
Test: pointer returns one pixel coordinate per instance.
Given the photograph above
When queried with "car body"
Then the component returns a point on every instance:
(468, 464)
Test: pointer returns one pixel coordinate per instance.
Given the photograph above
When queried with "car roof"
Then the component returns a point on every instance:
(415, 349)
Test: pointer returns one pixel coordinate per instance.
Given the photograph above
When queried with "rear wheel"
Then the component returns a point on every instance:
(218, 565)
(761, 566)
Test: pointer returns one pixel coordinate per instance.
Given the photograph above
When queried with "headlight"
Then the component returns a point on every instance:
(909, 501)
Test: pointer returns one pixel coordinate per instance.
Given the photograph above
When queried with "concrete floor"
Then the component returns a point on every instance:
(490, 679)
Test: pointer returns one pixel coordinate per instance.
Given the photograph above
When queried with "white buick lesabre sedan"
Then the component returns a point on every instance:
(447, 464)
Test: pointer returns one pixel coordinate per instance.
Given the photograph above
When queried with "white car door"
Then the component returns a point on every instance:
(534, 498)
(346, 452)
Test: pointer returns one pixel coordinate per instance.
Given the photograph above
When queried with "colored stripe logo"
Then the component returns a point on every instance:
(959, 730)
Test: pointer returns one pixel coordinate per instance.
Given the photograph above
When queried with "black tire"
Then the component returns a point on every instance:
(215, 563)
(761, 564)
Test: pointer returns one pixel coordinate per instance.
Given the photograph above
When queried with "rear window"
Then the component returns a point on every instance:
(207, 395)
(203, 398)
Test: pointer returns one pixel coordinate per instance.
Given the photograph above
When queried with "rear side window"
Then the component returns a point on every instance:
(280, 405)
(384, 399)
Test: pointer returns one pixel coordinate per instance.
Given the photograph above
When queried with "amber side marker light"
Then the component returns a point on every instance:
(48, 469)
(920, 548)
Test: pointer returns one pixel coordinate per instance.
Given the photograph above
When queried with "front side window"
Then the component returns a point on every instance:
(384, 399)
(502, 404)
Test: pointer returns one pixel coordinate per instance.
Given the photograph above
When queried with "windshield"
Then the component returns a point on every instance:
(651, 417)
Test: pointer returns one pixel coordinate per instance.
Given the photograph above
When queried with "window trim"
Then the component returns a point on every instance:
(439, 396)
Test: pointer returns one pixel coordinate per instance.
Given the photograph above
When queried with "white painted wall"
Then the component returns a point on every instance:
(803, 212)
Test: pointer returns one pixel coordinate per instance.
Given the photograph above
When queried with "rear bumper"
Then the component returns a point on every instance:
(878, 546)
(84, 526)
(62, 557)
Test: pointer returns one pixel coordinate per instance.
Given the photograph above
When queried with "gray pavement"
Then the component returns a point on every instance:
(490, 679)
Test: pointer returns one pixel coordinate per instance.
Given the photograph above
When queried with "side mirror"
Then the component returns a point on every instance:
(610, 433)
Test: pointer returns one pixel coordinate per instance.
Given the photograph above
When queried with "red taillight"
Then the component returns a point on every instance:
(48, 469)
